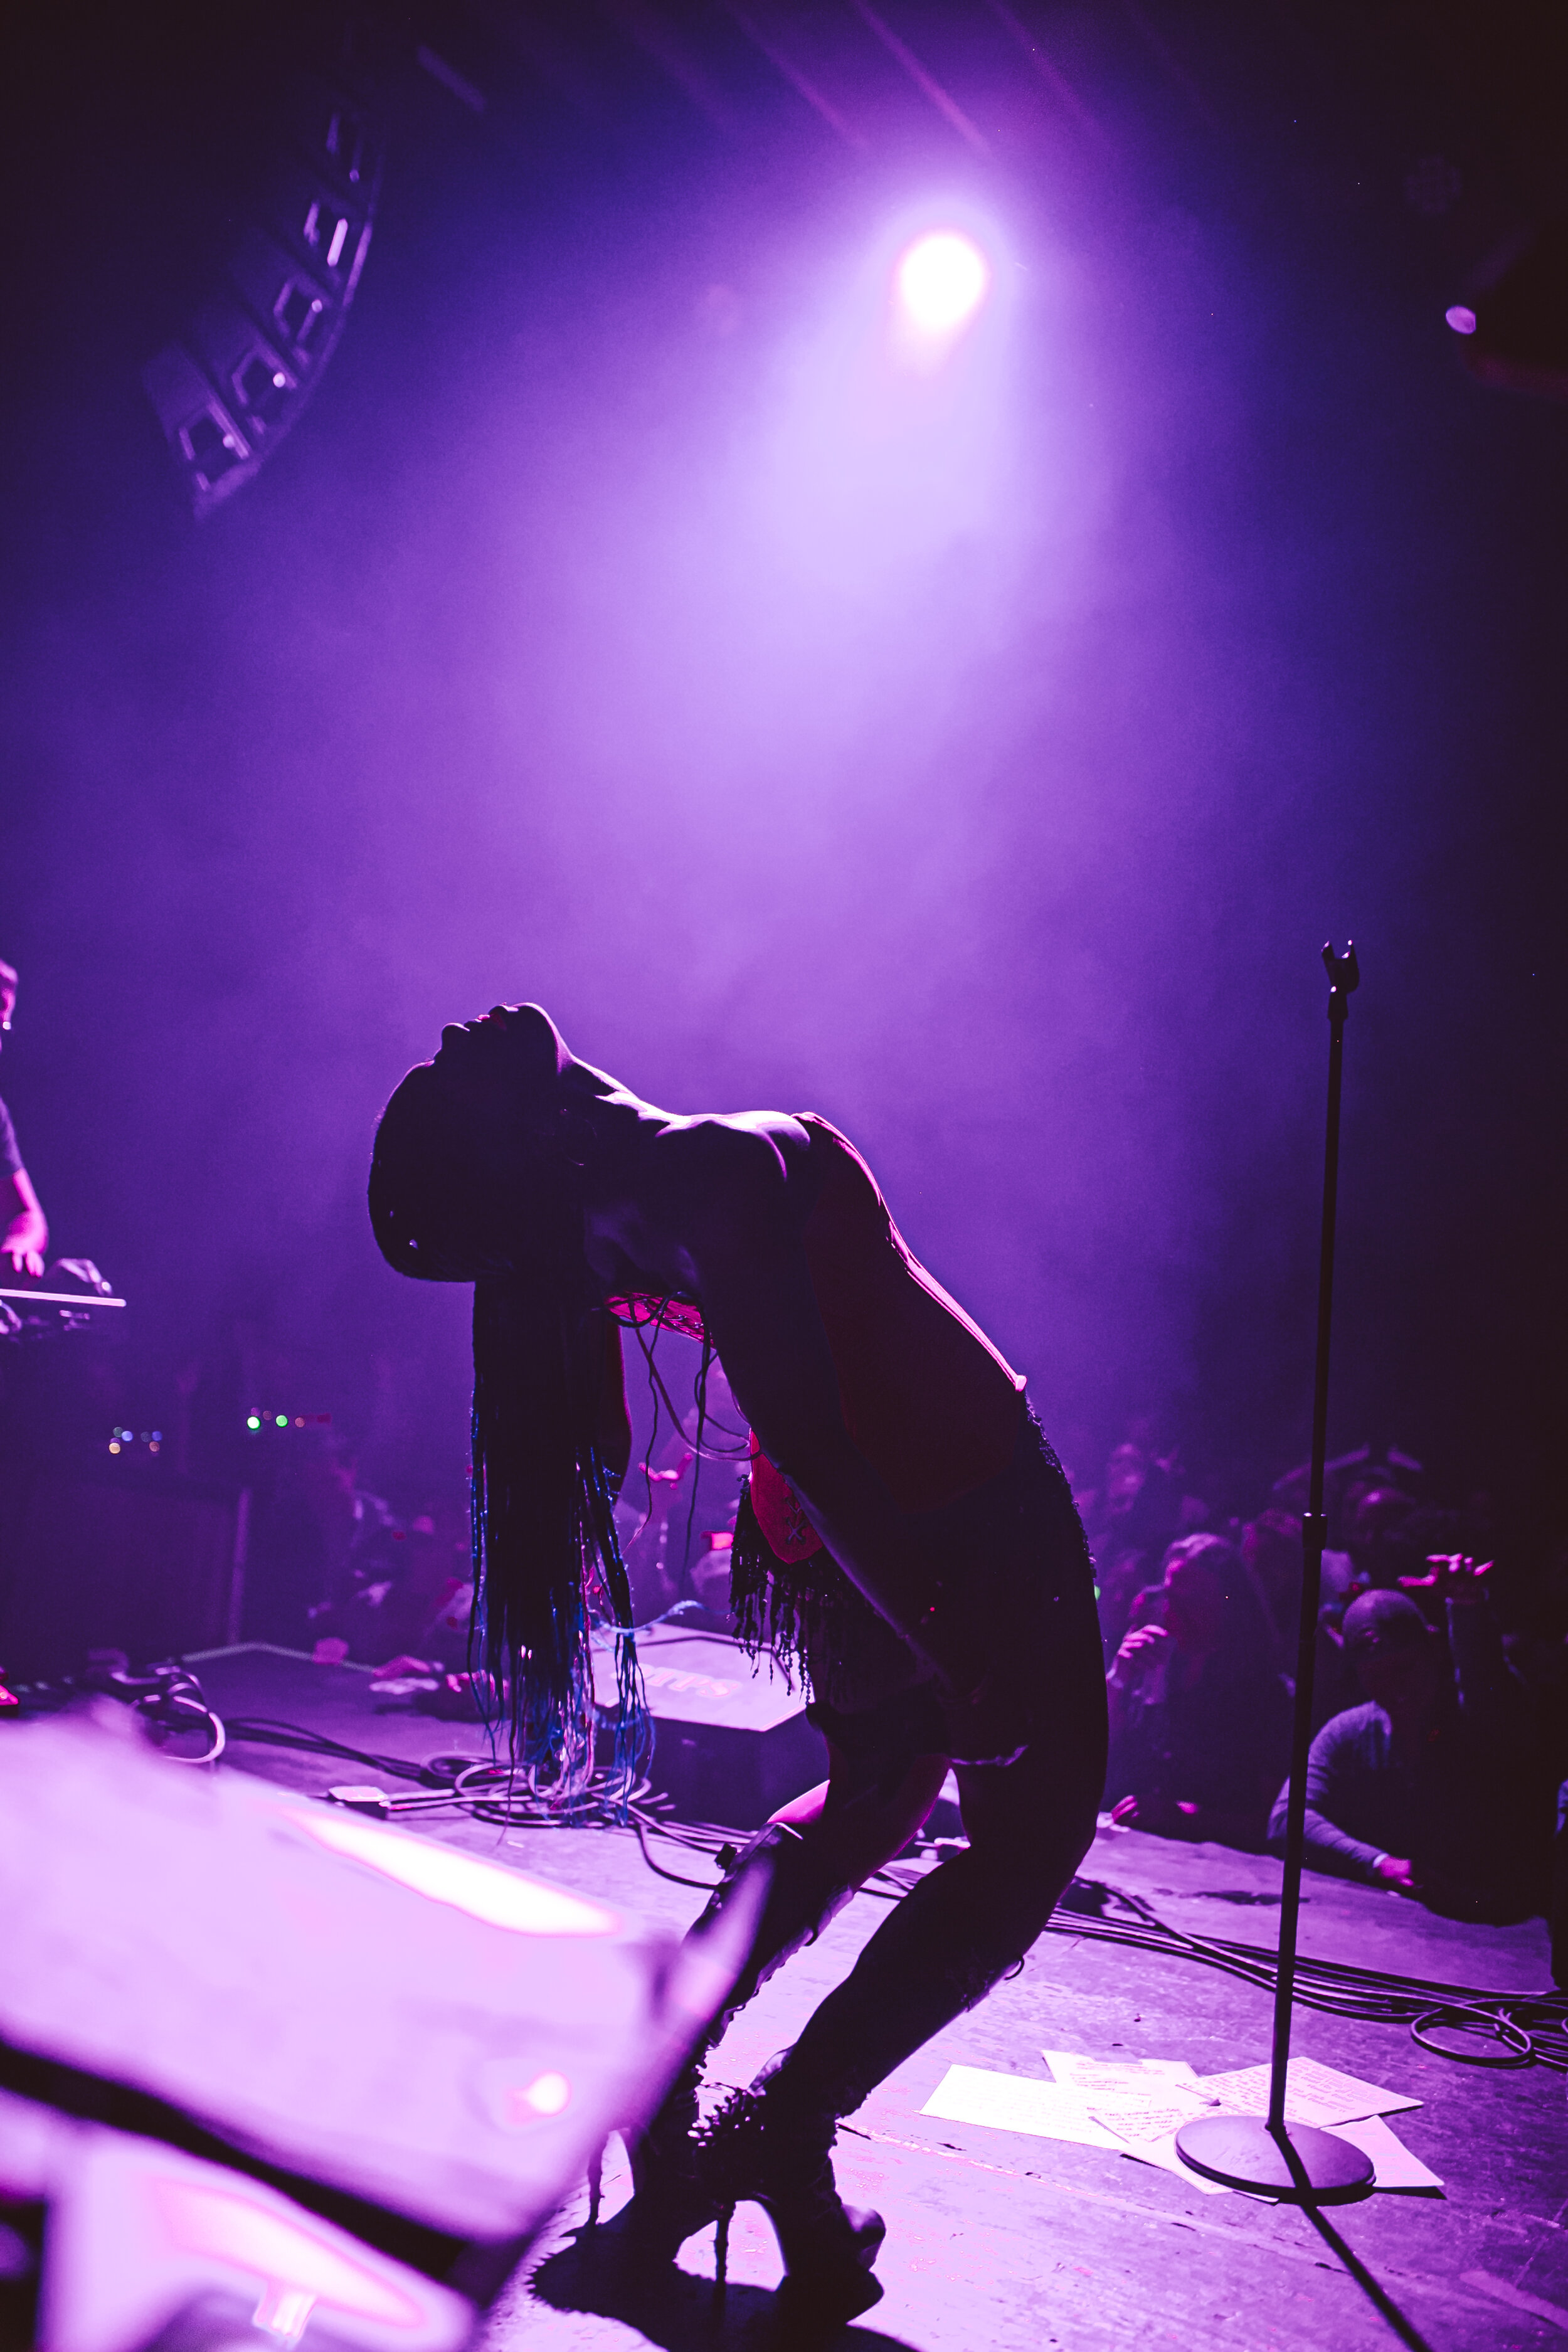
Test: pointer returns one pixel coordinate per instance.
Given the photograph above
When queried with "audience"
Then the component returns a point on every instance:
(1199, 1715)
(1439, 1765)
(1537, 1651)
(1271, 1555)
(1419, 1787)
(1135, 1512)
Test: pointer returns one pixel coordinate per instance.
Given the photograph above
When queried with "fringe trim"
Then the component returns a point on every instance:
(819, 1628)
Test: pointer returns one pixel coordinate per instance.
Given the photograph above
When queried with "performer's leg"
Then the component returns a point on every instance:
(816, 1851)
(1029, 1824)
(947, 1943)
(936, 1955)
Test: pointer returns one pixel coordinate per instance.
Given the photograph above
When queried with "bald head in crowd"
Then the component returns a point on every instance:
(1394, 1654)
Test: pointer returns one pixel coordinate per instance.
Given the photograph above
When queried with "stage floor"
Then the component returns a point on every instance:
(996, 2239)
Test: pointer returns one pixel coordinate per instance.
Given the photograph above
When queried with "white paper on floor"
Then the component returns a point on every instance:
(1144, 2101)
(1021, 2102)
(1136, 2098)
(1395, 2166)
(1136, 2107)
(1314, 2093)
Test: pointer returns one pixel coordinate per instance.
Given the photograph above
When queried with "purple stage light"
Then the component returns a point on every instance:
(1461, 319)
(942, 279)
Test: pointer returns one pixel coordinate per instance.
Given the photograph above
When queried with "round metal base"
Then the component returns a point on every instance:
(1317, 2168)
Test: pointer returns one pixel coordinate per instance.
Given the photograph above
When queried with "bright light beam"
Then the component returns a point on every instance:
(942, 282)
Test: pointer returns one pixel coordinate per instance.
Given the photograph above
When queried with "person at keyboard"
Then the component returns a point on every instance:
(26, 1235)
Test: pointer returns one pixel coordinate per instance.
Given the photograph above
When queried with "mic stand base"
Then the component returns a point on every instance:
(1297, 2163)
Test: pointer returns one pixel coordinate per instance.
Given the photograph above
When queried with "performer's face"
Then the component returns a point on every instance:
(506, 1122)
(478, 1088)
(8, 998)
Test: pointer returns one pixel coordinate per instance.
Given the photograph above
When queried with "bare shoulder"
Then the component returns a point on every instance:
(741, 1176)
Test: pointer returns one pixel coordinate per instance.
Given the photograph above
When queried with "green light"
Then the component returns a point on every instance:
(282, 1421)
(253, 1421)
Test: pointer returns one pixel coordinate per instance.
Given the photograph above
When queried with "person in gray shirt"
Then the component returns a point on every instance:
(1417, 1789)
(27, 1230)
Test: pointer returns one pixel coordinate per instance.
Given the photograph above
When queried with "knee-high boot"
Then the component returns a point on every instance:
(827, 2248)
(800, 1902)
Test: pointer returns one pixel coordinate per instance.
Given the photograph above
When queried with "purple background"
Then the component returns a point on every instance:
(983, 768)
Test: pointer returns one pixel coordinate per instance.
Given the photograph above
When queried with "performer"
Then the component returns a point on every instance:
(27, 1230)
(908, 1536)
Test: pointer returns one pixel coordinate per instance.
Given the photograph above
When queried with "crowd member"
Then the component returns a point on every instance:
(1271, 1554)
(26, 1233)
(1380, 1556)
(1199, 1714)
(1537, 1653)
(1375, 1539)
(1422, 1786)
(1135, 1514)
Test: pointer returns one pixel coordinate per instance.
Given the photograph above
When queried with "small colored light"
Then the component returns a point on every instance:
(153, 1446)
(550, 2096)
(942, 281)
(282, 1421)
(115, 1446)
(253, 1421)
(157, 1437)
(298, 1420)
(1461, 319)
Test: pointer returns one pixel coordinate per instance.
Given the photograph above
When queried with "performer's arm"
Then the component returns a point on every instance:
(27, 1234)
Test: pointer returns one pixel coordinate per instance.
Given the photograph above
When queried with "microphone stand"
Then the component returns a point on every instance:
(1299, 2164)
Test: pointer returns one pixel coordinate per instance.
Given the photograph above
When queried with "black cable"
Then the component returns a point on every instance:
(1335, 1987)
(494, 1794)
(1528, 2027)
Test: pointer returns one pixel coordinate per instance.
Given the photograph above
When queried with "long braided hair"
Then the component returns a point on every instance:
(472, 1180)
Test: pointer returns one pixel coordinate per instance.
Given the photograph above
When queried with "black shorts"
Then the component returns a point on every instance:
(1013, 1551)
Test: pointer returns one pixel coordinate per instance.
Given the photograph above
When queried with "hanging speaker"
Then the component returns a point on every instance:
(228, 389)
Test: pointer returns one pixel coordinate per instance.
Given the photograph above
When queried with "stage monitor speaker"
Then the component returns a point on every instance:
(254, 2045)
(732, 1742)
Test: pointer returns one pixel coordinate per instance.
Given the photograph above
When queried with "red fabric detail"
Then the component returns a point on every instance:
(927, 1398)
(671, 1314)
(778, 1510)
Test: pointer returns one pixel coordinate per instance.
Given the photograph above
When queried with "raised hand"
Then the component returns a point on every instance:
(1140, 1648)
(1455, 1577)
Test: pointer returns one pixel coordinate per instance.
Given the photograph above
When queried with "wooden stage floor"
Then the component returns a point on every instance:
(1003, 2242)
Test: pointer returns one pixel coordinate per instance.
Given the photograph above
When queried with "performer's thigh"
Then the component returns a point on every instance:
(1035, 1818)
(875, 1812)
(1021, 1814)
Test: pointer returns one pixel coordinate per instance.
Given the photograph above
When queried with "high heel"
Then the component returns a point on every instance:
(749, 2151)
(668, 2203)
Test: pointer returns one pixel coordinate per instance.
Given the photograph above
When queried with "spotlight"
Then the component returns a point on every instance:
(941, 280)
